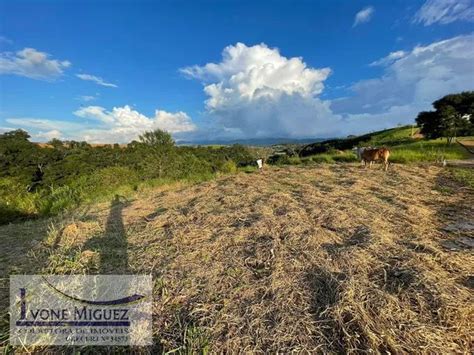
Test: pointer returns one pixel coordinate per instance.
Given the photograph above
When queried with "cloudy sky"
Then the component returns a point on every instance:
(106, 71)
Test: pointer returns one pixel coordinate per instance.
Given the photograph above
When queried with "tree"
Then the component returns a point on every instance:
(18, 135)
(56, 143)
(454, 116)
(157, 138)
(156, 153)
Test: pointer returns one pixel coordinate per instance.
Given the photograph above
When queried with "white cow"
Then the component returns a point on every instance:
(359, 150)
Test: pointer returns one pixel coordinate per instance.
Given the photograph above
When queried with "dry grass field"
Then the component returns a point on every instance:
(328, 259)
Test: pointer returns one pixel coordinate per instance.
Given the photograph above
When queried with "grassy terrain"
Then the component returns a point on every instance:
(427, 151)
(404, 147)
(327, 258)
(17, 203)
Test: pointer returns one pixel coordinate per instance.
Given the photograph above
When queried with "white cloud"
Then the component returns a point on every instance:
(95, 112)
(47, 136)
(173, 122)
(96, 79)
(43, 124)
(255, 91)
(87, 98)
(409, 85)
(363, 16)
(389, 59)
(444, 12)
(124, 124)
(121, 125)
(6, 129)
(32, 64)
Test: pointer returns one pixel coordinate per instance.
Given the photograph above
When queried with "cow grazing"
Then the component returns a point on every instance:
(376, 154)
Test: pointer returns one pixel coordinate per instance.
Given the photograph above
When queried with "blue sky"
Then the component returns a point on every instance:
(105, 71)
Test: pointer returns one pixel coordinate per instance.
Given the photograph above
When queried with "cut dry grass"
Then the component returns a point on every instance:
(329, 259)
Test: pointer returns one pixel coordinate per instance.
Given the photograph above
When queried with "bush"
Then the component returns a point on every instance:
(15, 201)
(279, 160)
(229, 167)
(58, 199)
(294, 161)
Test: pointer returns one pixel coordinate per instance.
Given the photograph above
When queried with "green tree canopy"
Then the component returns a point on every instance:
(157, 138)
(453, 116)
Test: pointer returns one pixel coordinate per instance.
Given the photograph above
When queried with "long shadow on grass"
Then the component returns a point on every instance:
(457, 227)
(112, 245)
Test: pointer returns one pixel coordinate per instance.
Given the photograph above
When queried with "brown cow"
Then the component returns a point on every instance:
(376, 154)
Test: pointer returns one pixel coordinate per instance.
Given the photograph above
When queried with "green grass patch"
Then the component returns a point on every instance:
(392, 136)
(18, 204)
(248, 169)
(403, 149)
(346, 157)
(426, 151)
(463, 175)
(323, 158)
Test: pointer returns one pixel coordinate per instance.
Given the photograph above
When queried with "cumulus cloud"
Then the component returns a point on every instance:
(96, 79)
(444, 12)
(409, 85)
(124, 124)
(120, 125)
(363, 16)
(32, 64)
(97, 112)
(255, 92)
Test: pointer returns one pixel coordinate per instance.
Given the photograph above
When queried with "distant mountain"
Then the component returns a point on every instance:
(253, 141)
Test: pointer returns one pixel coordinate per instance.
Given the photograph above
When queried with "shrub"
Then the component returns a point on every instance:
(294, 161)
(279, 160)
(15, 201)
(228, 167)
(58, 199)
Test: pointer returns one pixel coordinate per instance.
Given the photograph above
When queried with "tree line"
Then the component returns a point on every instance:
(45, 179)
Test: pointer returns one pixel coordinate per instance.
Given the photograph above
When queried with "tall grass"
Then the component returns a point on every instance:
(426, 151)
(15, 201)
(17, 204)
(412, 151)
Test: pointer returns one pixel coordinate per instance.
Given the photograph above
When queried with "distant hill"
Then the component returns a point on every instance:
(253, 141)
(390, 137)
